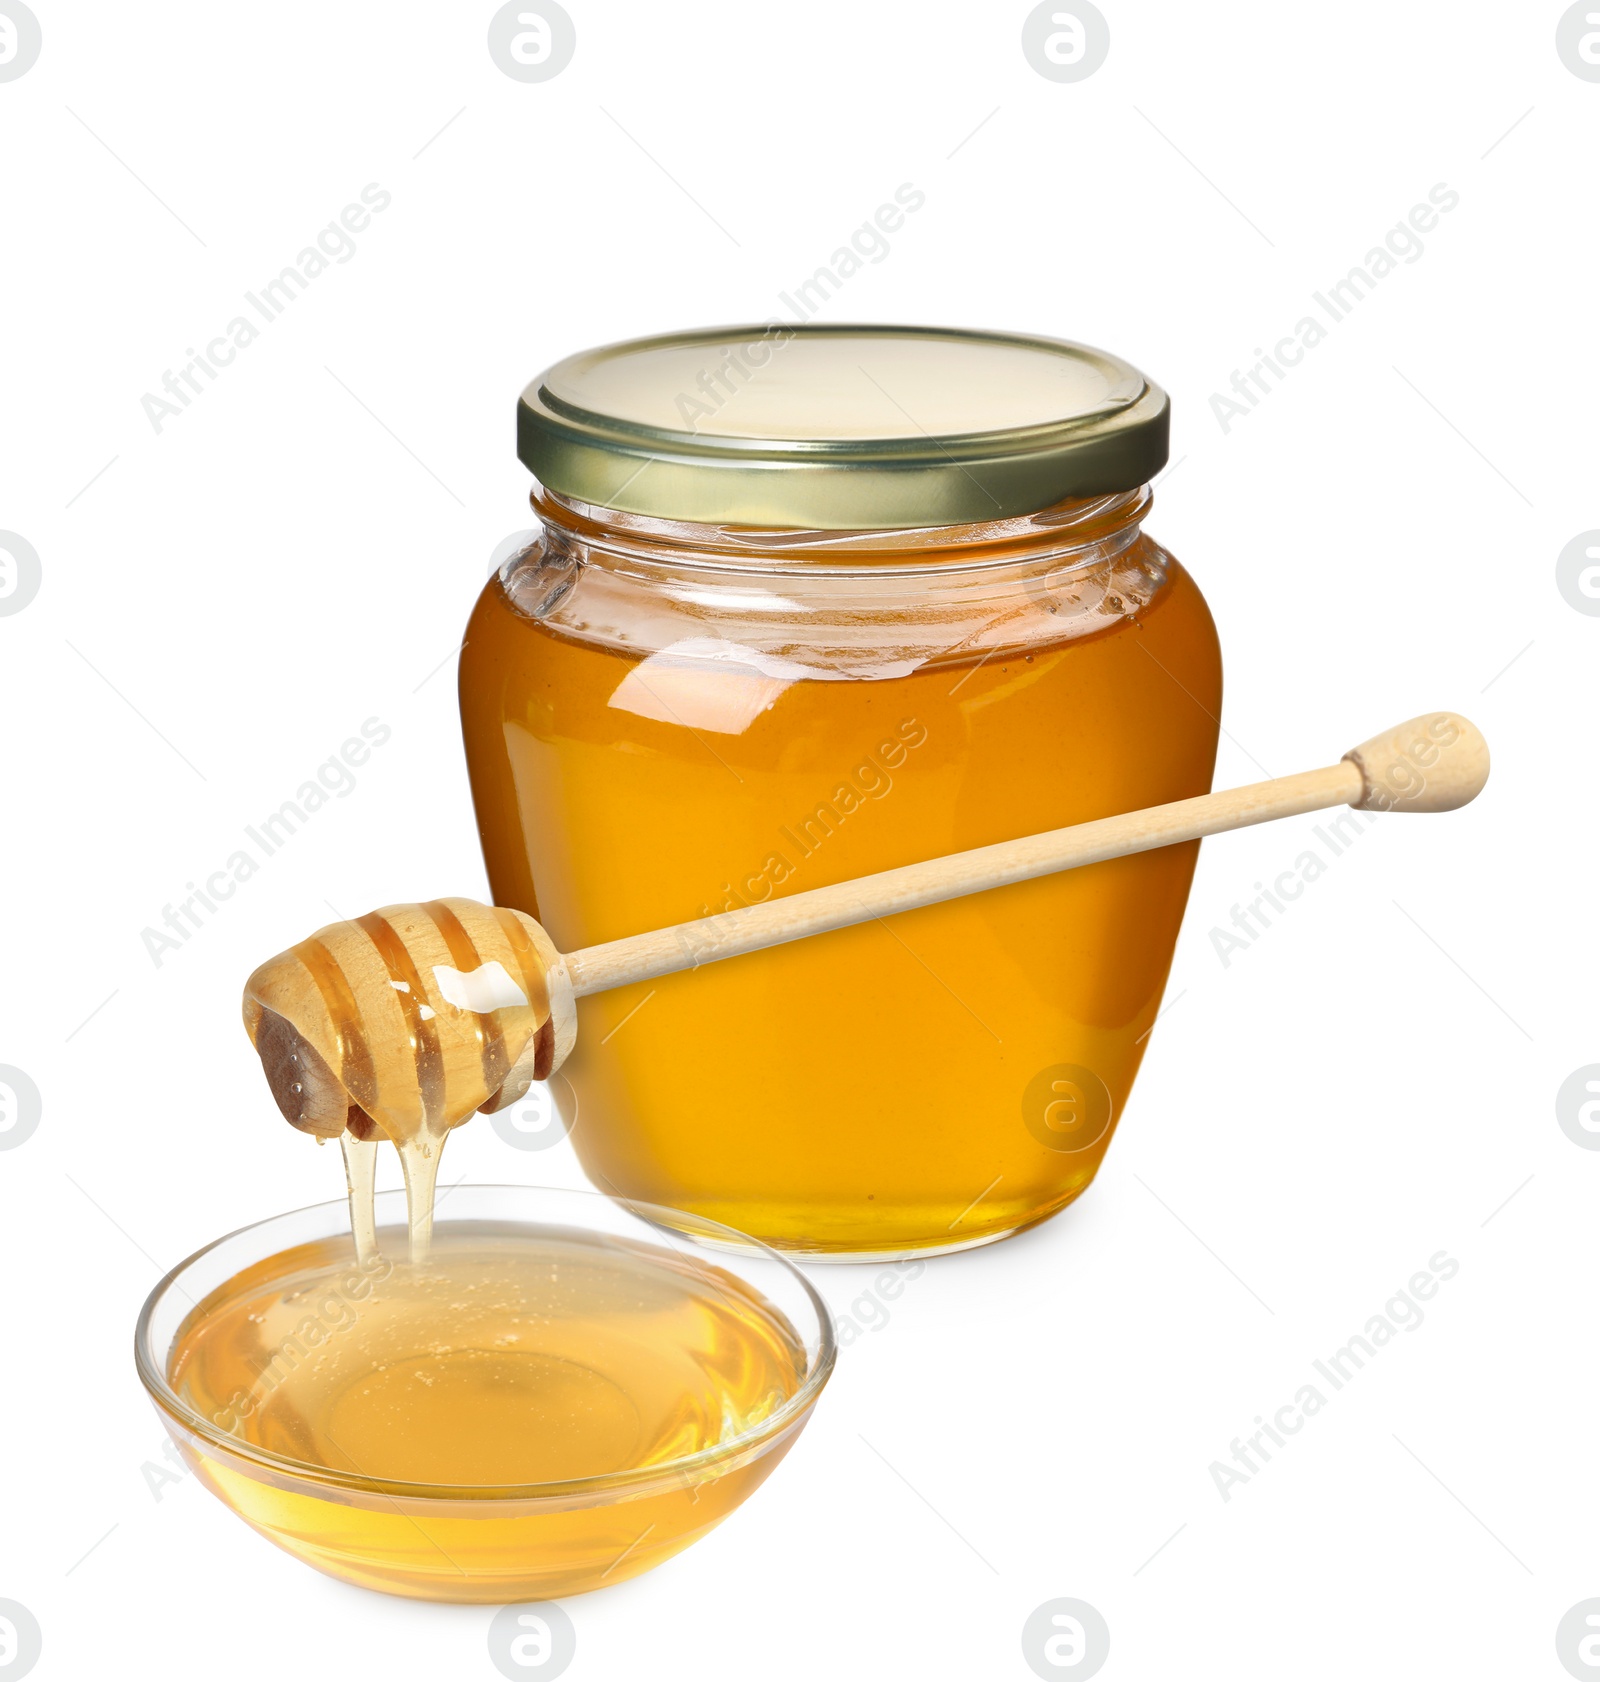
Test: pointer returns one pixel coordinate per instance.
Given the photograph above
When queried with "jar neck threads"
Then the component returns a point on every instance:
(1074, 532)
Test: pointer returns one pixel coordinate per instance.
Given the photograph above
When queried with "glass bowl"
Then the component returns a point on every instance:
(459, 1538)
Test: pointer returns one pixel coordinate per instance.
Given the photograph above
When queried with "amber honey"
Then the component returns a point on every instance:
(454, 1428)
(892, 1087)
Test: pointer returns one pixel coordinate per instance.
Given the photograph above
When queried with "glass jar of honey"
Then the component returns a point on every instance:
(813, 602)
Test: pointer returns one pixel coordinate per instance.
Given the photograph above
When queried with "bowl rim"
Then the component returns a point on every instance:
(781, 1422)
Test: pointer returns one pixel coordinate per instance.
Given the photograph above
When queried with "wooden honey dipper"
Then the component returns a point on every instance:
(411, 1018)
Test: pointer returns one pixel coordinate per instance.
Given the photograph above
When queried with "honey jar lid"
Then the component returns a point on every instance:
(822, 427)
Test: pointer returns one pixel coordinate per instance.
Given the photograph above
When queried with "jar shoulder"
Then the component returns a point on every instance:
(871, 624)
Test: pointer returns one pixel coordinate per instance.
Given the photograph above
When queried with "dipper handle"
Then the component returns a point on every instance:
(1429, 764)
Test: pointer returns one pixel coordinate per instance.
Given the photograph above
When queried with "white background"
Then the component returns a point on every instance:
(223, 602)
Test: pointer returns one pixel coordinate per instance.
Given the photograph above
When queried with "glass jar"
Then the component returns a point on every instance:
(668, 715)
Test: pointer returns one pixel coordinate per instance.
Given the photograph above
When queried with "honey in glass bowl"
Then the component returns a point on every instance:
(564, 1393)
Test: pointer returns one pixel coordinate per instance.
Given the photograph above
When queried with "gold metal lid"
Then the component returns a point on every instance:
(840, 428)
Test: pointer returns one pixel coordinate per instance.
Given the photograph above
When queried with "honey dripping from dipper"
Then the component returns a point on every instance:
(402, 1024)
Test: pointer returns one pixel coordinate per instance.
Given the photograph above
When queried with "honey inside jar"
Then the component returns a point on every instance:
(867, 1090)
